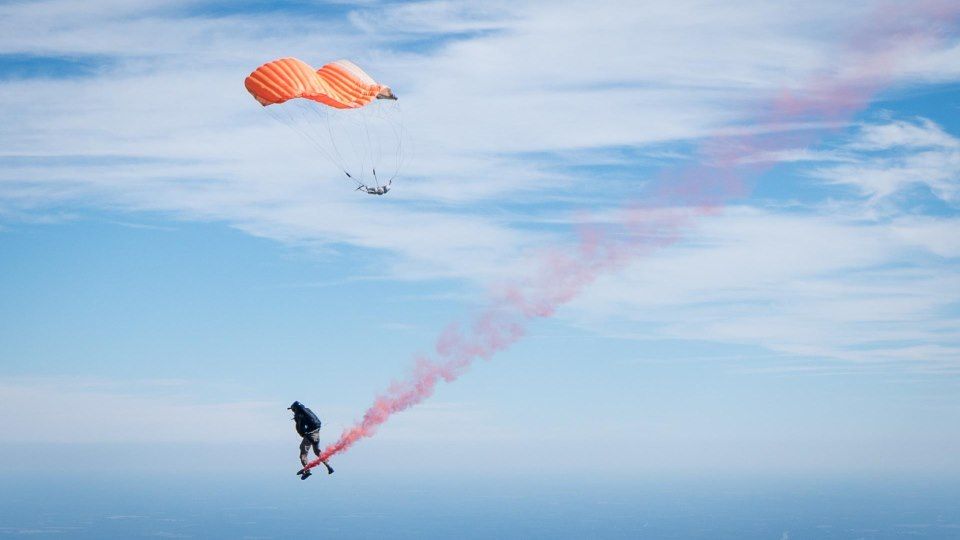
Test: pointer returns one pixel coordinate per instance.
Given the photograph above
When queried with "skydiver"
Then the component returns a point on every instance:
(386, 93)
(308, 427)
(379, 190)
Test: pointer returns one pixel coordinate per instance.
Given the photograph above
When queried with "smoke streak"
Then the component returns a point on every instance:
(723, 173)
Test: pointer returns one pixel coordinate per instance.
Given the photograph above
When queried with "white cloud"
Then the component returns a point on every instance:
(884, 159)
(491, 96)
(816, 285)
(432, 17)
(892, 157)
(935, 235)
(797, 155)
(923, 133)
(186, 138)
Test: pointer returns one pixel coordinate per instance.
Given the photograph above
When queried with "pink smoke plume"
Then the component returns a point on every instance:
(722, 174)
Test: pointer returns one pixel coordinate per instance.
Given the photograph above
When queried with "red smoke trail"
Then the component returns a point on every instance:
(699, 190)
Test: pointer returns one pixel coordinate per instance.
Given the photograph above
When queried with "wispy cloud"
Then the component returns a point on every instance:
(497, 98)
(829, 284)
(887, 159)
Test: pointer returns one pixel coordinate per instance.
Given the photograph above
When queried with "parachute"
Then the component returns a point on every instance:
(352, 120)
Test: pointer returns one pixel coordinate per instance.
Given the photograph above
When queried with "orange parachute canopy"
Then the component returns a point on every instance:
(339, 84)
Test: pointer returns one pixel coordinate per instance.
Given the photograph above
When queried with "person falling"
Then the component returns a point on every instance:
(308, 427)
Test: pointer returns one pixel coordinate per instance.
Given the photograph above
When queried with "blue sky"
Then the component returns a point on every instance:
(177, 267)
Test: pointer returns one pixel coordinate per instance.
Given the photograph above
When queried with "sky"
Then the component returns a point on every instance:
(177, 266)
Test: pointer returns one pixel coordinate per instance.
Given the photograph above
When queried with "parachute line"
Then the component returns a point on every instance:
(288, 120)
(355, 132)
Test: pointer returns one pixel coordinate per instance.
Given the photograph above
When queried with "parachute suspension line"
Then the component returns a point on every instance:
(310, 110)
(370, 158)
(389, 119)
(367, 147)
(304, 111)
(359, 148)
(377, 143)
(321, 125)
(325, 118)
(383, 143)
(355, 145)
(290, 121)
(359, 184)
(401, 155)
(399, 159)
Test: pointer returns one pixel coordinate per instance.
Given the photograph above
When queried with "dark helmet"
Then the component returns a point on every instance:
(295, 406)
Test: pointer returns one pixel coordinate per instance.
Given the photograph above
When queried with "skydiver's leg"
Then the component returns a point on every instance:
(315, 441)
(304, 450)
(314, 437)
